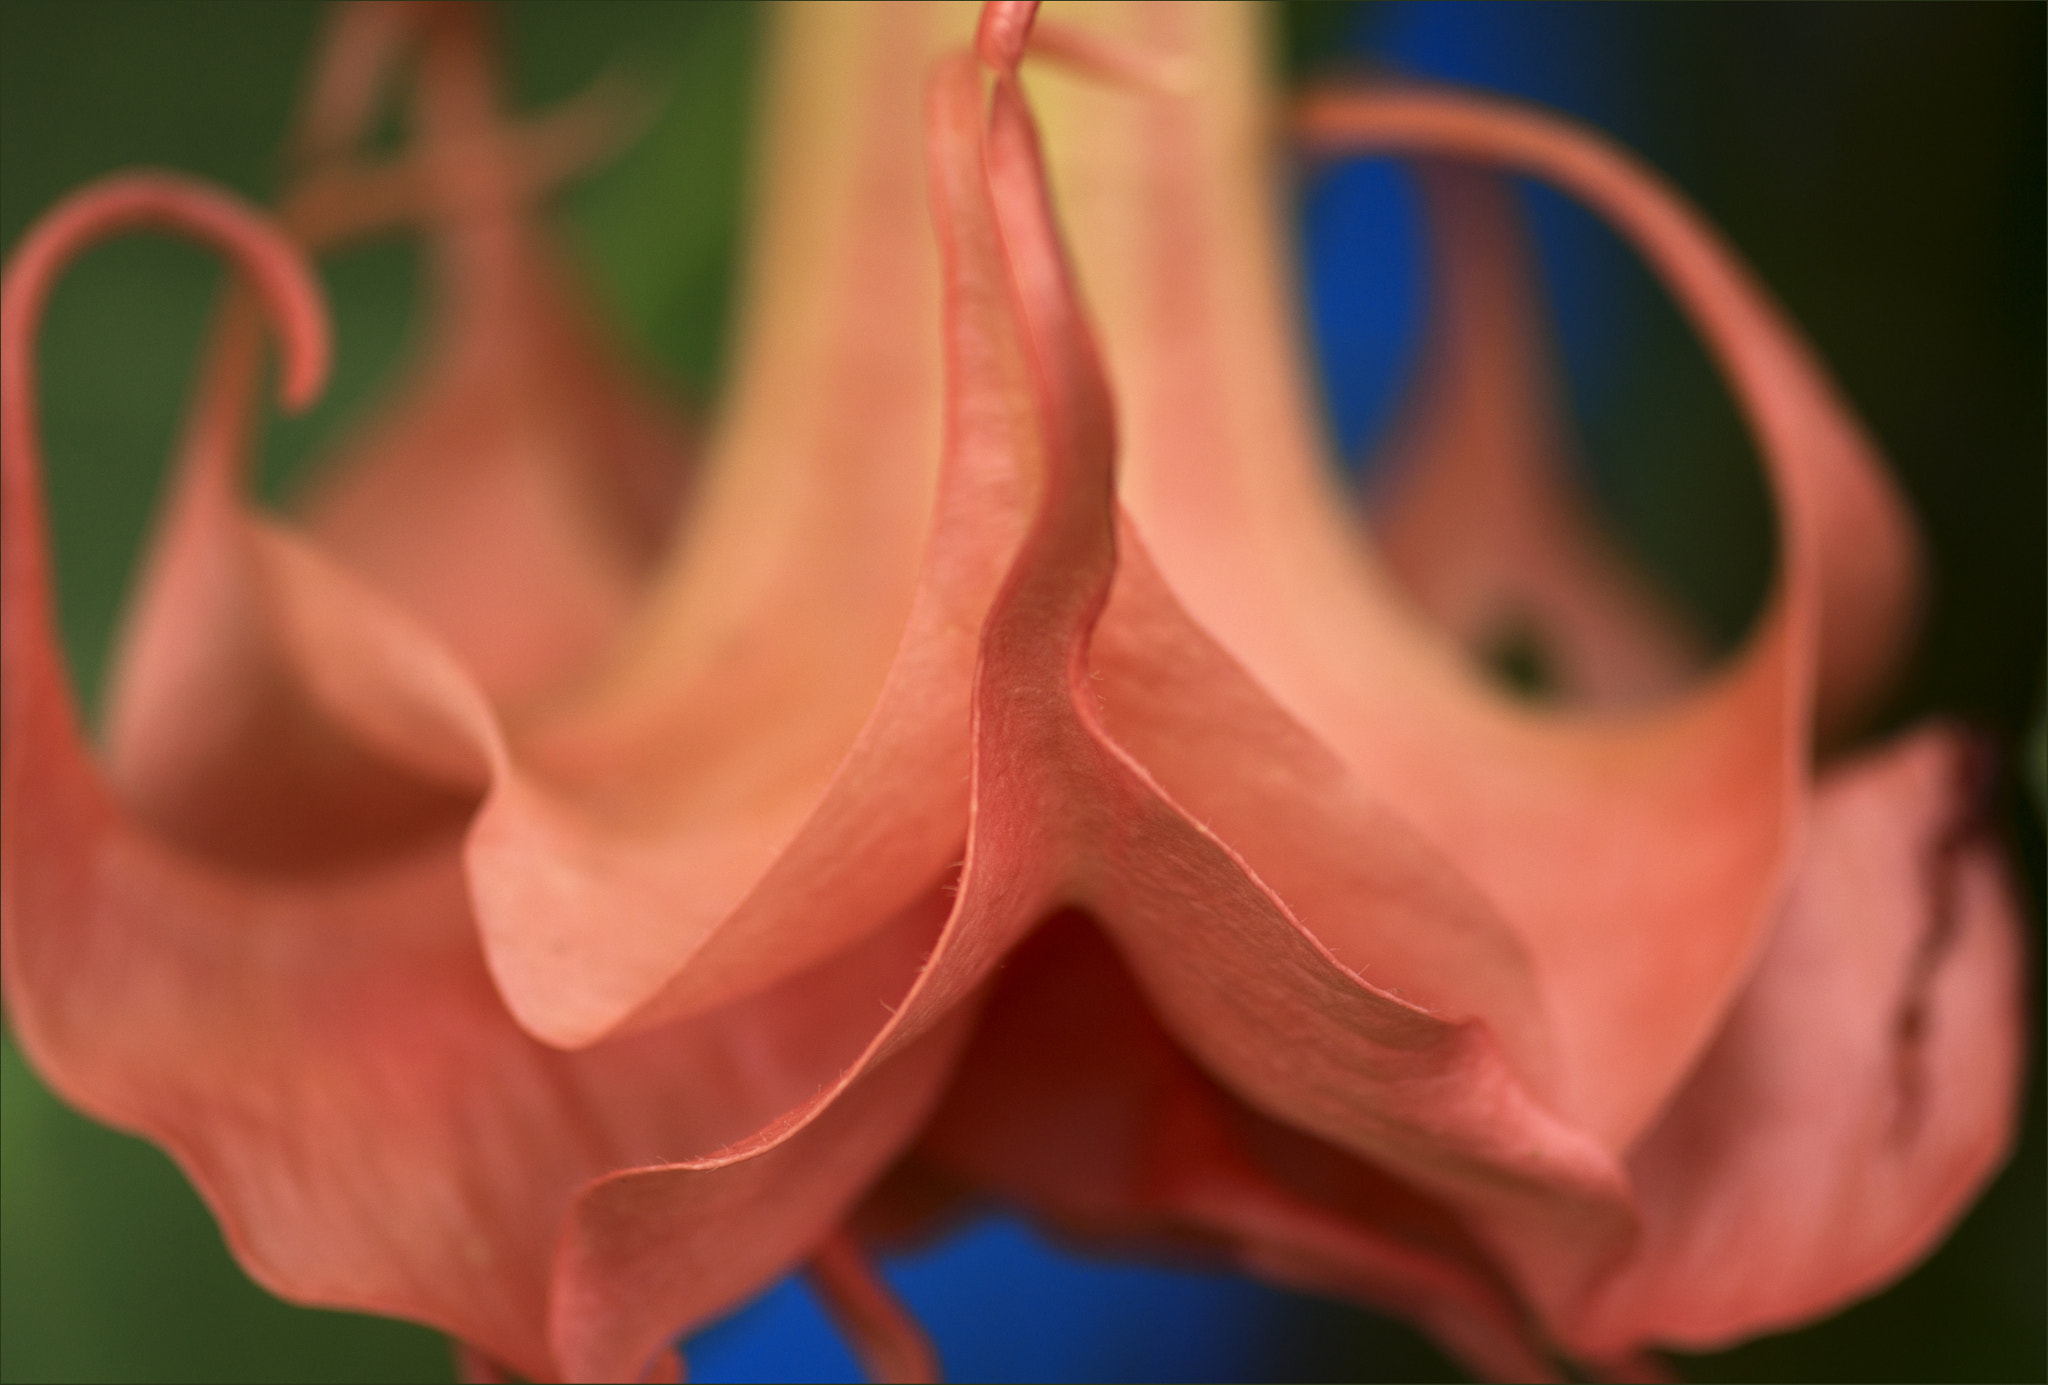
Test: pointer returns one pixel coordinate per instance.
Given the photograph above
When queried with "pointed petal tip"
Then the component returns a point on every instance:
(1004, 32)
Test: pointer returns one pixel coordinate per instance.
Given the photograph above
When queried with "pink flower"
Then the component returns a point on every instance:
(515, 927)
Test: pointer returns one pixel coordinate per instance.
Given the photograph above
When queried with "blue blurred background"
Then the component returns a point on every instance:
(1883, 168)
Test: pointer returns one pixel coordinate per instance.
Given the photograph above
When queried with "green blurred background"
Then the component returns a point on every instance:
(1911, 248)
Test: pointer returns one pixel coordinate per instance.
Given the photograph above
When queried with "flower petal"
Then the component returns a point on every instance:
(1642, 949)
(213, 741)
(1866, 1083)
(1383, 902)
(650, 1252)
(391, 686)
(1060, 814)
(628, 1265)
(1073, 1101)
(1233, 973)
(325, 1054)
(807, 655)
(697, 820)
(1638, 950)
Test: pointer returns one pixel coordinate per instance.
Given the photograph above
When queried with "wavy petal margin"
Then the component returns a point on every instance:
(689, 819)
(1867, 1081)
(1428, 1068)
(1179, 242)
(327, 1056)
(1060, 814)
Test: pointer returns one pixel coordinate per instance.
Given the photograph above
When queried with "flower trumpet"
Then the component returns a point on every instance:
(1017, 767)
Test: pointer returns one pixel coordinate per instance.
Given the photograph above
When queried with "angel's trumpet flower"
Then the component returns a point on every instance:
(273, 885)
(1557, 1029)
(594, 966)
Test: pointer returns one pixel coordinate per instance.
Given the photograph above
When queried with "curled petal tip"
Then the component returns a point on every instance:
(305, 376)
(264, 255)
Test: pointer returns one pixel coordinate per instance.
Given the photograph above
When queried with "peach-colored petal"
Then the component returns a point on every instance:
(800, 661)
(335, 1072)
(1060, 814)
(1384, 903)
(1234, 973)
(1357, 1055)
(1074, 1102)
(1865, 1084)
(1267, 1005)
(358, 663)
(325, 1054)
(664, 838)
(1637, 950)
(890, 704)
(212, 741)
(1724, 769)
(653, 1251)
(1474, 506)
(629, 1258)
